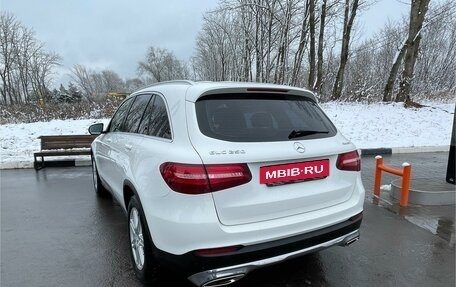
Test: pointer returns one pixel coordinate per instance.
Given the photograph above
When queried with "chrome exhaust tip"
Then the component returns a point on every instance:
(350, 239)
(223, 281)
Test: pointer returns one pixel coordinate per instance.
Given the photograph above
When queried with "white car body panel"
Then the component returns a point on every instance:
(243, 215)
(194, 225)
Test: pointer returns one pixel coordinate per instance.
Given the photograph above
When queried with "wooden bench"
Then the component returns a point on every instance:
(62, 145)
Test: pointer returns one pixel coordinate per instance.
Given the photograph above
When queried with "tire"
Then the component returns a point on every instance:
(141, 246)
(100, 190)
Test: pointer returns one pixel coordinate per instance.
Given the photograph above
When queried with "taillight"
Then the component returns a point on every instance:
(349, 161)
(199, 178)
(185, 178)
(226, 176)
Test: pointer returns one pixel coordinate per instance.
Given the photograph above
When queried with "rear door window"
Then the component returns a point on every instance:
(261, 118)
(118, 119)
(136, 112)
(155, 120)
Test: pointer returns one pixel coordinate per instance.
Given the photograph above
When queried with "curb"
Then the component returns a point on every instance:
(376, 151)
(398, 150)
(68, 162)
(51, 163)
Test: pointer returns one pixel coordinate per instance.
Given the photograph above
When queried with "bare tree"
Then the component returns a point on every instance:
(26, 69)
(41, 73)
(287, 10)
(297, 63)
(9, 36)
(162, 65)
(434, 36)
(312, 60)
(418, 11)
(81, 75)
(133, 84)
(216, 49)
(435, 67)
(349, 17)
(267, 40)
(388, 91)
(94, 84)
(318, 86)
(112, 81)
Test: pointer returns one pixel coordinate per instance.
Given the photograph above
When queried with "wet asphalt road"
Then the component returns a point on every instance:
(56, 232)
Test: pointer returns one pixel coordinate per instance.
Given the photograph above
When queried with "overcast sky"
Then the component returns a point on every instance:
(115, 34)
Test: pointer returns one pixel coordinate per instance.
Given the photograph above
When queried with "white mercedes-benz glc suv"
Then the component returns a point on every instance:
(220, 178)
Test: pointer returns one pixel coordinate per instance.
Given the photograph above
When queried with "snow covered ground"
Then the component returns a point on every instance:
(368, 126)
(391, 125)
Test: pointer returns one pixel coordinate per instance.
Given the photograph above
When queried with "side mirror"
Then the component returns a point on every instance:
(96, 129)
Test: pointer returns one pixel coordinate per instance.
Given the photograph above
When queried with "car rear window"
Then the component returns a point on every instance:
(261, 118)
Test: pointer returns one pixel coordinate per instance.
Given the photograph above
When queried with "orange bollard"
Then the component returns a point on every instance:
(404, 173)
(407, 170)
(378, 174)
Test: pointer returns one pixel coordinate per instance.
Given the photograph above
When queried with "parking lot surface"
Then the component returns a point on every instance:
(56, 232)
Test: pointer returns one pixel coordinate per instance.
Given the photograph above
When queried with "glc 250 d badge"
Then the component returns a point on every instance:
(299, 147)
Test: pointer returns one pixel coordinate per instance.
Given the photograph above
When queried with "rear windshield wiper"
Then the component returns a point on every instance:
(303, 133)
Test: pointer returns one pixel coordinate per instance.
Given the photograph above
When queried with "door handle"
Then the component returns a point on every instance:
(128, 146)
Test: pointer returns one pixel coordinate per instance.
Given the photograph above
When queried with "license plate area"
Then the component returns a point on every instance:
(273, 175)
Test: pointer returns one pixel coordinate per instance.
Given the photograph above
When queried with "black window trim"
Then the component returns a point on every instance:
(152, 100)
(123, 120)
(152, 97)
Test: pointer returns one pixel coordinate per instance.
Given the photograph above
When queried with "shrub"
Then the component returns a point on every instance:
(32, 112)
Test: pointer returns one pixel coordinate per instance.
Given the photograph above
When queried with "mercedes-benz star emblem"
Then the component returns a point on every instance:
(299, 147)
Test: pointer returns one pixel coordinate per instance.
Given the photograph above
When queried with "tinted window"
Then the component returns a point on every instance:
(118, 118)
(155, 121)
(136, 112)
(261, 118)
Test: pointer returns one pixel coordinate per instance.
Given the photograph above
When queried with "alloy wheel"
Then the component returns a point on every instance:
(137, 238)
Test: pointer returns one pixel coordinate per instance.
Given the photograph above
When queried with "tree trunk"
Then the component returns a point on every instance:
(247, 44)
(417, 14)
(388, 91)
(311, 80)
(319, 80)
(349, 17)
(269, 48)
(301, 47)
(246, 59)
(258, 54)
(279, 77)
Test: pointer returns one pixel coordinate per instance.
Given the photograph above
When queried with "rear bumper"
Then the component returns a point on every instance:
(223, 269)
(228, 275)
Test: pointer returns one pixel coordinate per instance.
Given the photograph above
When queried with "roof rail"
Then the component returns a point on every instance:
(187, 82)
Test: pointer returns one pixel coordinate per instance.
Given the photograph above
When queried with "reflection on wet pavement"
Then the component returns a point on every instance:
(56, 232)
(437, 219)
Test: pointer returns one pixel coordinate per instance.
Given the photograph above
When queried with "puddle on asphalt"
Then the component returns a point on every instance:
(442, 227)
(437, 219)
